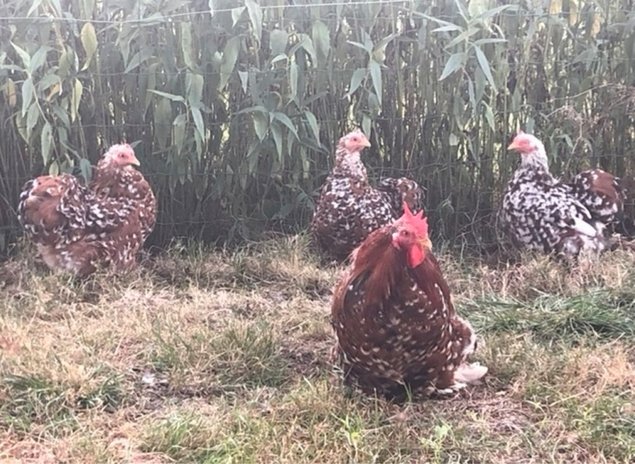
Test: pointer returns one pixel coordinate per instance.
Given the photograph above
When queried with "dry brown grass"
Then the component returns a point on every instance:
(223, 357)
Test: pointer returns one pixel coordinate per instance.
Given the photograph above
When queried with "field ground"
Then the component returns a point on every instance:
(219, 357)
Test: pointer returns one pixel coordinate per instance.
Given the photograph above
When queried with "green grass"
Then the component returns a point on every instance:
(222, 357)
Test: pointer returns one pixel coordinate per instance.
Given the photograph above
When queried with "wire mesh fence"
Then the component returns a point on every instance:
(234, 107)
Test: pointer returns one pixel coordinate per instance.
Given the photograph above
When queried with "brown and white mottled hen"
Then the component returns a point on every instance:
(543, 213)
(116, 178)
(349, 208)
(397, 330)
(78, 229)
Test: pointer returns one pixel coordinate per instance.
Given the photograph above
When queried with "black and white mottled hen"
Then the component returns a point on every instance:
(397, 330)
(541, 212)
(349, 208)
(77, 228)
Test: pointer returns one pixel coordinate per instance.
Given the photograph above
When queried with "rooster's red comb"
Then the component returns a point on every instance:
(418, 221)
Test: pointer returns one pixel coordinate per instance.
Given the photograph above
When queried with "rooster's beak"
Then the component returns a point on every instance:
(426, 243)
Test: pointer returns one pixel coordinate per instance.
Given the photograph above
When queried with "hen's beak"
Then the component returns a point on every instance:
(513, 146)
(366, 143)
(135, 161)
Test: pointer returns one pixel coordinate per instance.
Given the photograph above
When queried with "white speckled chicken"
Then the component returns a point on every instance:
(543, 213)
(397, 330)
(78, 229)
(349, 208)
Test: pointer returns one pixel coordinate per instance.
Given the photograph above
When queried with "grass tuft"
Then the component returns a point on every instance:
(597, 314)
(249, 355)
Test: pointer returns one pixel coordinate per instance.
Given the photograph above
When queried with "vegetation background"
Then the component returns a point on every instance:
(234, 106)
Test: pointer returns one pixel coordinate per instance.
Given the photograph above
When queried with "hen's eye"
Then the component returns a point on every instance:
(121, 155)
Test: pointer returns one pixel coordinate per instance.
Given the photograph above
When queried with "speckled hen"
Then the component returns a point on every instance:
(543, 213)
(349, 208)
(397, 330)
(78, 229)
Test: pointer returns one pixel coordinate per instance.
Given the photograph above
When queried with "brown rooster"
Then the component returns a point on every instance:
(78, 229)
(349, 208)
(397, 330)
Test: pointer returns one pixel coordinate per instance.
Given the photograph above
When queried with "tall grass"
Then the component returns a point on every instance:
(234, 107)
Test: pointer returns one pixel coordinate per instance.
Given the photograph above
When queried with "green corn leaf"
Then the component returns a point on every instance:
(463, 37)
(230, 56)
(194, 88)
(255, 17)
(34, 7)
(448, 28)
(252, 109)
(24, 56)
(293, 81)
(54, 169)
(198, 122)
(32, 118)
(366, 125)
(284, 119)
(497, 10)
(89, 42)
(187, 45)
(277, 139)
(278, 40)
(76, 98)
(38, 59)
(162, 120)
(489, 116)
(178, 132)
(170, 96)
(313, 124)
(28, 92)
(379, 51)
(484, 64)
(244, 80)
(139, 58)
(46, 142)
(86, 169)
(489, 41)
(454, 63)
(261, 124)
(236, 14)
(321, 39)
(356, 79)
(375, 75)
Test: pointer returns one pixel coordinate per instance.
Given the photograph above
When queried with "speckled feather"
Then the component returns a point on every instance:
(601, 193)
(396, 327)
(127, 184)
(78, 229)
(540, 212)
(349, 208)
